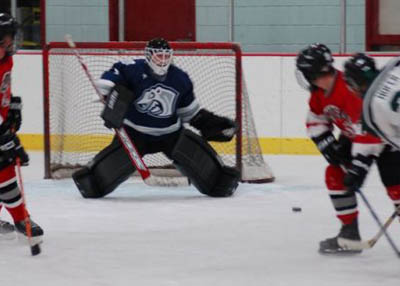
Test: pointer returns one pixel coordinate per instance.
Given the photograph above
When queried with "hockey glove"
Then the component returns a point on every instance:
(11, 148)
(357, 172)
(117, 106)
(14, 113)
(14, 118)
(331, 149)
(21, 153)
(213, 127)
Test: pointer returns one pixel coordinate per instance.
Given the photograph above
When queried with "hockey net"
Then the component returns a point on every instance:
(74, 131)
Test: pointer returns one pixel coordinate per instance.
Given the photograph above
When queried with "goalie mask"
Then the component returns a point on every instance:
(158, 55)
(314, 61)
(8, 27)
(359, 72)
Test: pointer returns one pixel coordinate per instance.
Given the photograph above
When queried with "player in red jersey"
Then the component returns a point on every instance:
(10, 147)
(332, 104)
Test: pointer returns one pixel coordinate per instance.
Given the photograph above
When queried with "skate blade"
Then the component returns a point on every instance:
(343, 249)
(344, 252)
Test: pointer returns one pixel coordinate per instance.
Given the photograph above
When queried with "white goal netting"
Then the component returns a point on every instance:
(75, 131)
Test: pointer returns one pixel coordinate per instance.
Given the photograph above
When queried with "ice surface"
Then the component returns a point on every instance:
(141, 235)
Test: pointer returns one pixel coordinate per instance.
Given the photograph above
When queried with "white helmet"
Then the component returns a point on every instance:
(158, 56)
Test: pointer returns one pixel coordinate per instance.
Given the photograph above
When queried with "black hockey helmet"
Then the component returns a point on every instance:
(359, 71)
(158, 55)
(312, 62)
(8, 27)
(158, 43)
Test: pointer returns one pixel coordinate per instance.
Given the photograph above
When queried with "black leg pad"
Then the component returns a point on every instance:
(86, 184)
(227, 182)
(105, 173)
(197, 160)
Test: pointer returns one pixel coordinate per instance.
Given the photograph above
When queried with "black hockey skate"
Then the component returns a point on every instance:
(340, 243)
(37, 231)
(7, 230)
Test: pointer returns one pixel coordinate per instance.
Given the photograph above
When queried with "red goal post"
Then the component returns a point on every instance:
(74, 132)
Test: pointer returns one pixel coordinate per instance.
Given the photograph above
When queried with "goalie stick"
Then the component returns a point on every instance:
(126, 142)
(34, 246)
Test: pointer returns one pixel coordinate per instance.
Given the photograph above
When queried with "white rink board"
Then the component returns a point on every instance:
(279, 104)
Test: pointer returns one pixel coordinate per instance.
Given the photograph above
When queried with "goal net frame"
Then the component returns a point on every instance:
(139, 46)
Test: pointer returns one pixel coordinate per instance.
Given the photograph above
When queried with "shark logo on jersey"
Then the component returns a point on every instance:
(158, 101)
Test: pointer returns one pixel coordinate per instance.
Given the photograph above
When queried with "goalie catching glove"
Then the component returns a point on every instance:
(213, 127)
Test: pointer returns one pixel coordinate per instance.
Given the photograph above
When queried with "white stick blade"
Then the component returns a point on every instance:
(167, 182)
(70, 42)
(353, 244)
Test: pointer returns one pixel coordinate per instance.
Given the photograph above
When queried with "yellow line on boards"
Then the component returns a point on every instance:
(286, 145)
(95, 142)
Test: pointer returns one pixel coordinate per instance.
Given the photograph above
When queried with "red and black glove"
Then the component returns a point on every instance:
(14, 117)
(357, 172)
(11, 148)
(335, 152)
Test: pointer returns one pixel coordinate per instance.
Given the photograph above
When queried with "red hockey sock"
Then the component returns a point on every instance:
(394, 193)
(17, 212)
(348, 218)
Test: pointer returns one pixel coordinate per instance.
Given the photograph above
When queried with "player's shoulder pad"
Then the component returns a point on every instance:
(128, 66)
(180, 75)
(128, 63)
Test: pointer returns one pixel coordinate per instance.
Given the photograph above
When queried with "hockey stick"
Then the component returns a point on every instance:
(371, 242)
(388, 222)
(34, 246)
(126, 142)
(382, 228)
(378, 221)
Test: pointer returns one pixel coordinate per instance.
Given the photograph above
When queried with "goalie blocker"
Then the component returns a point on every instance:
(191, 154)
(117, 105)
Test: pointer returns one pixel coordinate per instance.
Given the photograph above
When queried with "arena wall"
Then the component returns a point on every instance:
(279, 104)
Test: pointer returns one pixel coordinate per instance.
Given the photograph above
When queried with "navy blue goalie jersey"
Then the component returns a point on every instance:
(160, 107)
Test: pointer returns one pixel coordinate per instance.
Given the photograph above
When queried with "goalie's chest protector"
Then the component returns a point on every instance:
(154, 110)
(6, 65)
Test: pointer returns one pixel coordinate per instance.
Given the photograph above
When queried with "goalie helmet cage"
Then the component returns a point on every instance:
(74, 131)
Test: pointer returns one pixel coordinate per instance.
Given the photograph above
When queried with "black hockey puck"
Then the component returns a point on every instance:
(296, 209)
(35, 249)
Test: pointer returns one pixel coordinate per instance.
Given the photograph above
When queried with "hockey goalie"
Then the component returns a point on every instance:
(152, 99)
